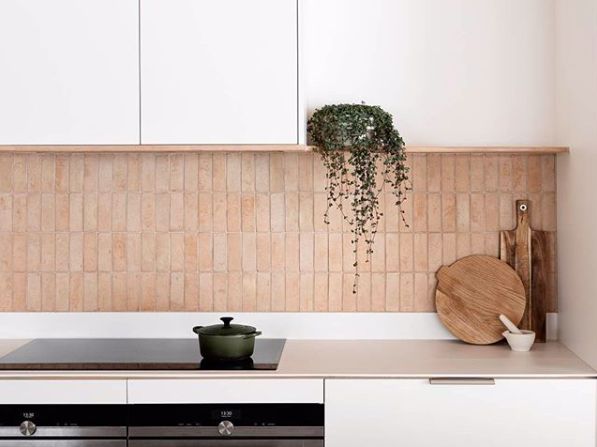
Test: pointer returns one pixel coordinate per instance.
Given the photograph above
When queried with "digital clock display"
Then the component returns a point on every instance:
(228, 414)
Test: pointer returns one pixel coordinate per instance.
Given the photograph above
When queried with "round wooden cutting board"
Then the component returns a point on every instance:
(473, 292)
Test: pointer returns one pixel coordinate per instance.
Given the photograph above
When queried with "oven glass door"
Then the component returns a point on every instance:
(226, 443)
(63, 443)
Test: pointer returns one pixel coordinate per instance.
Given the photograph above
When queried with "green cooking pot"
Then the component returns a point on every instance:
(226, 341)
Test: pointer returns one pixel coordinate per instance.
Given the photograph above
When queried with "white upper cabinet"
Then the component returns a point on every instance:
(219, 71)
(69, 72)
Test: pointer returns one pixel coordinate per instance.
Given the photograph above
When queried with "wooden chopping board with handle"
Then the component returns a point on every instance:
(526, 250)
(473, 292)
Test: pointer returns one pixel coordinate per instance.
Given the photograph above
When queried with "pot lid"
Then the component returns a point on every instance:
(226, 328)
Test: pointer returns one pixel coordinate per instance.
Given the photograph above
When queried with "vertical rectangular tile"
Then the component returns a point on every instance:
(205, 213)
(191, 172)
(205, 252)
(235, 292)
(206, 292)
(477, 173)
(292, 294)
(62, 252)
(6, 212)
(234, 252)
(19, 173)
(176, 252)
(104, 211)
(449, 248)
(364, 293)
(191, 211)
(434, 173)
(406, 252)
(262, 172)
(48, 175)
(249, 292)
(278, 292)
(33, 292)
(34, 174)
(233, 172)
(277, 212)
(162, 291)
(90, 173)
(118, 252)
(247, 172)
(104, 252)
(320, 292)
(104, 292)
(492, 210)
(249, 252)
(176, 211)
(133, 252)
(19, 252)
(148, 166)
(190, 252)
(75, 289)
(264, 285)
(176, 172)
(448, 212)
(462, 173)
(262, 212)
(90, 254)
(349, 296)
(422, 301)
(191, 292)
(177, 291)
(392, 292)
(248, 212)
(205, 172)
(90, 302)
(219, 172)
(463, 214)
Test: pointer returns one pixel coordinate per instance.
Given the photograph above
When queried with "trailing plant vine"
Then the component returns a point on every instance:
(355, 141)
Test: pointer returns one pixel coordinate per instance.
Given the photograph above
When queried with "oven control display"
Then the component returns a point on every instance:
(229, 414)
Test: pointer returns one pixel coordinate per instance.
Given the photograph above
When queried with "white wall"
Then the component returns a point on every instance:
(576, 56)
(453, 72)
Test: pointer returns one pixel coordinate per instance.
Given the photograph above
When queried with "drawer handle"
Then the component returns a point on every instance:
(463, 381)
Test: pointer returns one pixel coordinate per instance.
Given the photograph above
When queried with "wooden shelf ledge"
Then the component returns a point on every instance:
(275, 148)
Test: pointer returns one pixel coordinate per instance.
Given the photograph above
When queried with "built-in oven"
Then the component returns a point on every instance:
(63, 425)
(227, 425)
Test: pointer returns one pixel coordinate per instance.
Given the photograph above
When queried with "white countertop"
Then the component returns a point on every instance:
(374, 359)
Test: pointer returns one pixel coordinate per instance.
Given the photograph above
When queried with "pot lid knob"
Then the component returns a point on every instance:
(226, 321)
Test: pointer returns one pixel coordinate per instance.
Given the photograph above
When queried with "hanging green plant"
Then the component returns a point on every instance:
(353, 140)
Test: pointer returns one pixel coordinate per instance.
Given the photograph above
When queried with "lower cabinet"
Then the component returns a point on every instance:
(460, 413)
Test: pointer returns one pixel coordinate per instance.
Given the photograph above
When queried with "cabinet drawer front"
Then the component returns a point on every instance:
(456, 413)
(62, 391)
(153, 391)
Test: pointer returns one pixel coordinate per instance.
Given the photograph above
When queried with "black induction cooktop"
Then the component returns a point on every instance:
(132, 354)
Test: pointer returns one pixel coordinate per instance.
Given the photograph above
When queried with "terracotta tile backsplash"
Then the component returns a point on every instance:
(243, 231)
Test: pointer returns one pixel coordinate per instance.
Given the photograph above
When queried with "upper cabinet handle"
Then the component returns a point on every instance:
(462, 381)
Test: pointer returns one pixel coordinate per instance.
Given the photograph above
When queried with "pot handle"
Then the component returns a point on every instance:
(196, 329)
(252, 334)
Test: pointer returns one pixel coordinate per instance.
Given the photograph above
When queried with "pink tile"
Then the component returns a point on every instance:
(263, 292)
(176, 172)
(205, 213)
(249, 292)
(292, 292)
(206, 292)
(248, 172)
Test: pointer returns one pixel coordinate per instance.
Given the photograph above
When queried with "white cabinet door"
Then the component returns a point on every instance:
(219, 71)
(69, 72)
(33, 391)
(235, 391)
(414, 413)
